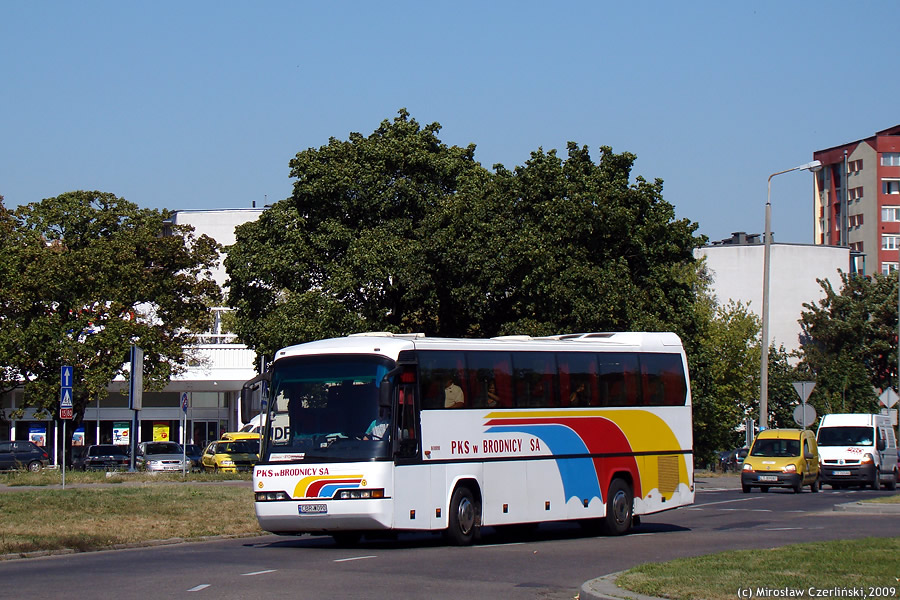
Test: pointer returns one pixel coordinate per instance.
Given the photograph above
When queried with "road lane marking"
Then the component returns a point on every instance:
(696, 506)
(354, 558)
(784, 529)
(258, 573)
(197, 588)
(500, 545)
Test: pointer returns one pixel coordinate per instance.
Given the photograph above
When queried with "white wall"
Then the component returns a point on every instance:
(737, 272)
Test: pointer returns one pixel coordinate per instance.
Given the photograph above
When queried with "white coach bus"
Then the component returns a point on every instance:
(380, 431)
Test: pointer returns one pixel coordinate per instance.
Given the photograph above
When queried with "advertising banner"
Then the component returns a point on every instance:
(78, 437)
(160, 431)
(37, 433)
(121, 431)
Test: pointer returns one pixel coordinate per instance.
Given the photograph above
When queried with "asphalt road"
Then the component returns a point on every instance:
(548, 564)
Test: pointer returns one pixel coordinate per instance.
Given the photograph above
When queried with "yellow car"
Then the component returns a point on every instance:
(250, 438)
(782, 458)
(228, 456)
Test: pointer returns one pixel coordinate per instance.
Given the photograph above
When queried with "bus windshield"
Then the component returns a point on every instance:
(326, 408)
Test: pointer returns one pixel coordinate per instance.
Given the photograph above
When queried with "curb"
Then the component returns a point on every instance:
(605, 588)
(868, 508)
(130, 545)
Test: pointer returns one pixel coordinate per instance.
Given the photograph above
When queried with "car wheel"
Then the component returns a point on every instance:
(464, 517)
(876, 483)
(798, 487)
(34, 466)
(746, 489)
(892, 484)
(619, 507)
(814, 486)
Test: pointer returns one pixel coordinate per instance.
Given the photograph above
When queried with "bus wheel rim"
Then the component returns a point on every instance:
(620, 507)
(466, 516)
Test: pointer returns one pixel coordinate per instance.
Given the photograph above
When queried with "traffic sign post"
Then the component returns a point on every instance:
(184, 407)
(804, 415)
(65, 409)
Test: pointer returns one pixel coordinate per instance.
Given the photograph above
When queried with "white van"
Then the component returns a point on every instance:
(857, 449)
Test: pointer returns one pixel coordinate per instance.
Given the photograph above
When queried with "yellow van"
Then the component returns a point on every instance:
(782, 458)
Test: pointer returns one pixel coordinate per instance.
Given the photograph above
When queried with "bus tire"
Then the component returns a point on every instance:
(464, 517)
(619, 507)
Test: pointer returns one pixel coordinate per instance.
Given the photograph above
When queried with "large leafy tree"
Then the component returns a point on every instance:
(850, 342)
(398, 231)
(725, 376)
(85, 275)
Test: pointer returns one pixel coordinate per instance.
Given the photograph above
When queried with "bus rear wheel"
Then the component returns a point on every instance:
(619, 507)
(464, 517)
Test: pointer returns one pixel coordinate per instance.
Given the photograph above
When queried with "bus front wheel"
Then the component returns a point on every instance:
(464, 517)
(619, 507)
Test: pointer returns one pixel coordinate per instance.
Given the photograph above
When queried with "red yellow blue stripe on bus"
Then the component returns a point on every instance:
(324, 486)
(615, 435)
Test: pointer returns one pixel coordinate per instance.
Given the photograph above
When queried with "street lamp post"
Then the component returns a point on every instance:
(767, 243)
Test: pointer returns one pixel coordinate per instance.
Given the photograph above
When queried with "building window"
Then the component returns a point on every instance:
(890, 186)
(890, 242)
(856, 193)
(890, 214)
(888, 267)
(855, 166)
(890, 159)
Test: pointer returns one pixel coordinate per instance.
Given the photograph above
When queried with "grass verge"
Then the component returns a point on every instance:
(93, 518)
(838, 565)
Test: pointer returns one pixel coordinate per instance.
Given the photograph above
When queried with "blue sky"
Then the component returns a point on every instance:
(191, 105)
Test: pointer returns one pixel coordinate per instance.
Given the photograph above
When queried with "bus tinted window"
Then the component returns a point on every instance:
(441, 374)
(489, 375)
(662, 379)
(551, 379)
(534, 379)
(578, 379)
(619, 382)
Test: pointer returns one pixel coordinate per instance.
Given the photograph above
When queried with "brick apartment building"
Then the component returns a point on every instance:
(862, 209)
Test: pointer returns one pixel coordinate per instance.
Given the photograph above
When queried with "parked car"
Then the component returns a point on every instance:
(194, 454)
(733, 460)
(229, 456)
(22, 455)
(161, 456)
(251, 438)
(79, 453)
(107, 457)
(782, 458)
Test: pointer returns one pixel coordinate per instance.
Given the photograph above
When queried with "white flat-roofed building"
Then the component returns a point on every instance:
(736, 267)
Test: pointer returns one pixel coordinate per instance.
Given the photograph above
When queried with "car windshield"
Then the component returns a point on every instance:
(234, 448)
(772, 448)
(162, 448)
(322, 408)
(845, 436)
(192, 449)
(108, 450)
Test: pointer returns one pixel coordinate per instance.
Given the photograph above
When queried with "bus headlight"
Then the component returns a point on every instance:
(271, 496)
(360, 494)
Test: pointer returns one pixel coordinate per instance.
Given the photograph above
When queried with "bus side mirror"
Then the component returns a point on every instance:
(251, 395)
(384, 390)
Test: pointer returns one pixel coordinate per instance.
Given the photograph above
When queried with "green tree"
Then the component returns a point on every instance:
(83, 277)
(725, 377)
(849, 342)
(400, 232)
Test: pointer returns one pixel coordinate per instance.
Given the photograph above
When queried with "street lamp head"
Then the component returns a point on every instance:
(814, 166)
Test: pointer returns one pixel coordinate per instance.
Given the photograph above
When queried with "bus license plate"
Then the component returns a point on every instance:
(768, 478)
(312, 509)
(840, 473)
